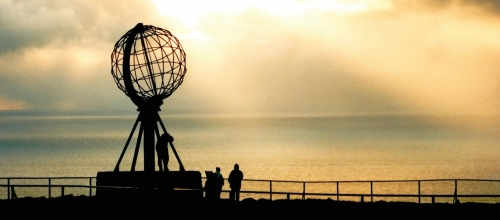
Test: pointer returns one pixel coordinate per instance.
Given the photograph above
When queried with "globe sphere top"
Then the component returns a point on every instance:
(148, 64)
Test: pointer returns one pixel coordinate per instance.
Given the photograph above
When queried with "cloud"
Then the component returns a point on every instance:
(408, 56)
(35, 24)
(419, 61)
(483, 6)
(7, 104)
(57, 52)
(490, 5)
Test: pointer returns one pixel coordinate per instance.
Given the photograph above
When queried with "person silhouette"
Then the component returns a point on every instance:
(234, 180)
(162, 151)
(219, 182)
(209, 185)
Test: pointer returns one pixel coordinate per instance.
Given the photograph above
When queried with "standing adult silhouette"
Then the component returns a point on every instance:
(219, 182)
(162, 151)
(234, 180)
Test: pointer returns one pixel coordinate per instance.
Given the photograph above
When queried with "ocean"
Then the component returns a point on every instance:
(336, 148)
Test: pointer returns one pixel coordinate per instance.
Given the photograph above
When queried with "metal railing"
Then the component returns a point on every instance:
(416, 191)
(49, 187)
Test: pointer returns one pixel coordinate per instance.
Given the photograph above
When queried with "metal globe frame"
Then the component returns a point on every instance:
(148, 64)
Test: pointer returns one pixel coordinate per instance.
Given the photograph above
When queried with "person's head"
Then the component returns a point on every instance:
(217, 169)
(167, 137)
(236, 167)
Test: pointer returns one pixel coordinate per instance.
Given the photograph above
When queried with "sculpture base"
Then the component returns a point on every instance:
(171, 184)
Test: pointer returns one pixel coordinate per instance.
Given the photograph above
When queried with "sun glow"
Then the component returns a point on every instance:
(191, 11)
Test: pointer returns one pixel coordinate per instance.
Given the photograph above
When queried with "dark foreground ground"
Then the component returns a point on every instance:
(70, 207)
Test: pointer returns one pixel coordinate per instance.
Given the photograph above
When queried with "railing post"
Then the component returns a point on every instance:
(62, 191)
(337, 191)
(270, 190)
(8, 188)
(418, 192)
(90, 187)
(433, 200)
(371, 191)
(303, 190)
(455, 198)
(288, 196)
(49, 189)
(14, 195)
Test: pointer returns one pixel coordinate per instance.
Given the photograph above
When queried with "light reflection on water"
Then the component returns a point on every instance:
(275, 148)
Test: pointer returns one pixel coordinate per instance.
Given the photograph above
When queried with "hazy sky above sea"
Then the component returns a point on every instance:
(282, 56)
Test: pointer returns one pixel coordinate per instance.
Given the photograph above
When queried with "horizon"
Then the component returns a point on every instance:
(444, 121)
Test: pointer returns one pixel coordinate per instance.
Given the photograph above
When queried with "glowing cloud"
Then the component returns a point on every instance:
(7, 104)
(191, 11)
(302, 56)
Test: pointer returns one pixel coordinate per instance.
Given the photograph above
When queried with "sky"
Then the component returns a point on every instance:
(304, 57)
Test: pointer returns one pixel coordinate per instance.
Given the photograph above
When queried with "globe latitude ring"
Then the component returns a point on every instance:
(148, 64)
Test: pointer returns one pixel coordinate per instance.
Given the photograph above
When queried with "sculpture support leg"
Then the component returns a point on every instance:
(117, 167)
(137, 146)
(181, 167)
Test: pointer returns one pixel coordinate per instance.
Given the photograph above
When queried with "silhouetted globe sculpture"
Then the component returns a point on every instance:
(148, 64)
